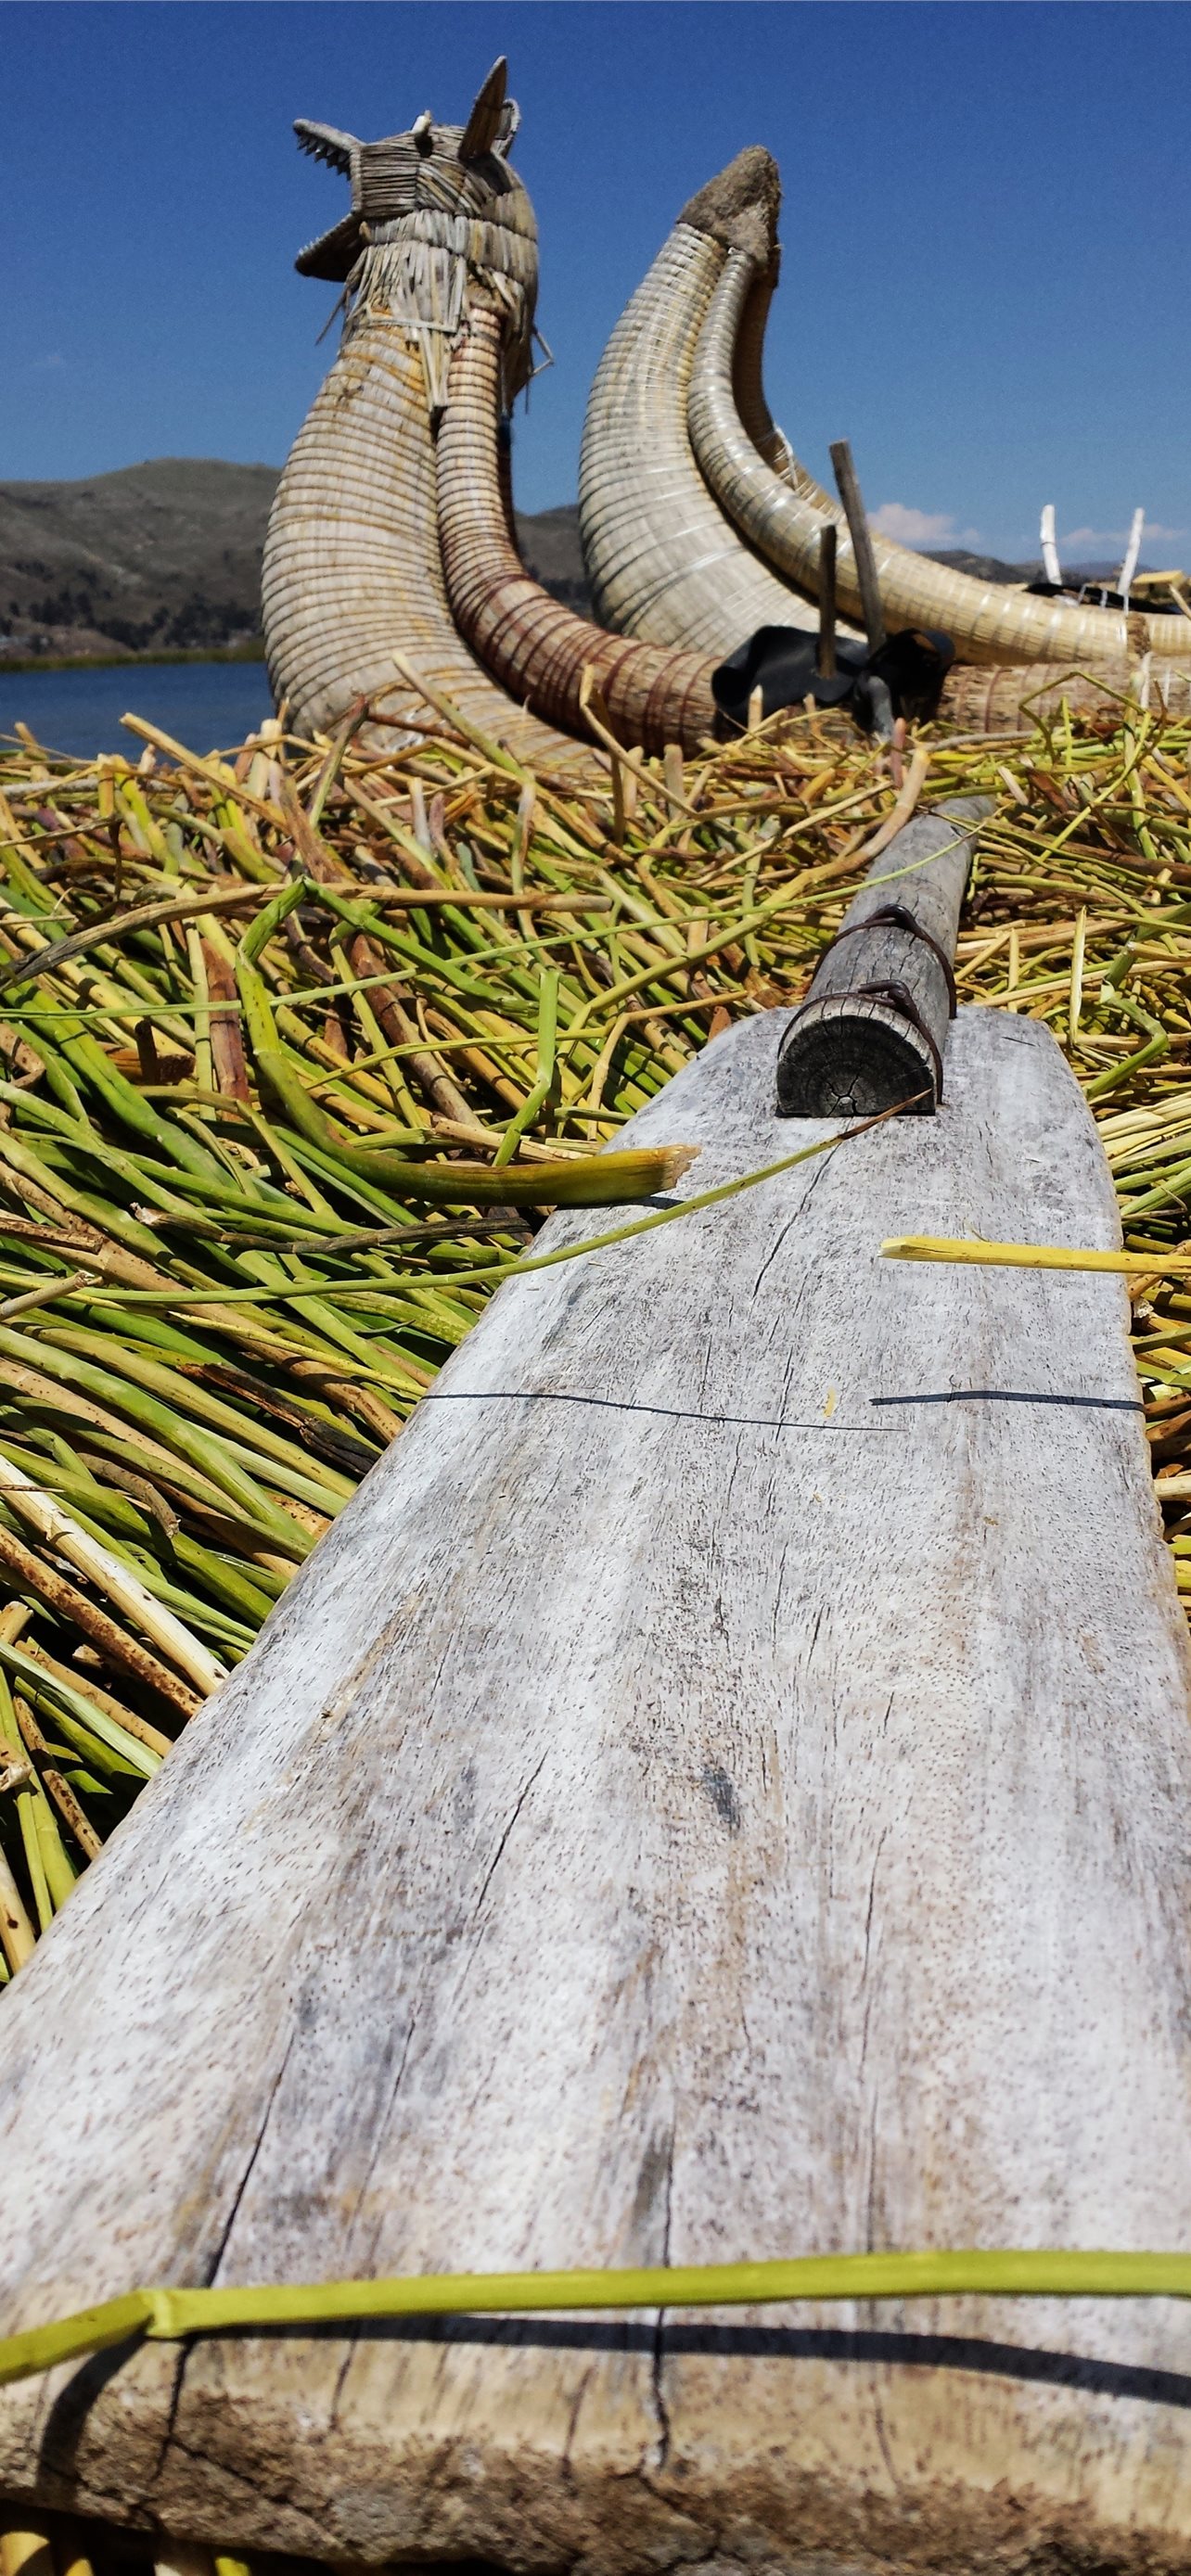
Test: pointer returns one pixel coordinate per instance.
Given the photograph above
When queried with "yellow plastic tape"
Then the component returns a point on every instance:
(169, 2316)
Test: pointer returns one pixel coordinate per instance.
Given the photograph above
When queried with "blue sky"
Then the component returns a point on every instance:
(986, 226)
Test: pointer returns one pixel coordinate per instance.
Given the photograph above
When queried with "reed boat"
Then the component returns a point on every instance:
(352, 569)
(783, 514)
(391, 533)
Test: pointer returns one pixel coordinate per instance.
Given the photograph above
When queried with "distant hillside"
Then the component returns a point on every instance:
(991, 568)
(981, 567)
(167, 555)
(549, 542)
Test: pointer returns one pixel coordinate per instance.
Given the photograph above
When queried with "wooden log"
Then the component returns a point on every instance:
(873, 1028)
(720, 1790)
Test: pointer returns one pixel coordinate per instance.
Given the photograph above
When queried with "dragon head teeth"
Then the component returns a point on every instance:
(326, 143)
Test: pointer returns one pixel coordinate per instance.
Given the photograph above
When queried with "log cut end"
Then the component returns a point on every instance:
(851, 1056)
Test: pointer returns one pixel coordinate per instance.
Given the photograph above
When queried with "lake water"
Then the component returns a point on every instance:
(209, 706)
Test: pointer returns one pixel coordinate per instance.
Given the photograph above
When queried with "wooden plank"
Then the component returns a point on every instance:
(720, 1790)
(873, 1028)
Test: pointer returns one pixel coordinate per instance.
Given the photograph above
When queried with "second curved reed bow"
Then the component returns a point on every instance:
(679, 515)
(664, 559)
(783, 513)
(538, 649)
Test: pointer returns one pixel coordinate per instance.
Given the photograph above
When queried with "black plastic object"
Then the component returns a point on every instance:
(1097, 595)
(782, 661)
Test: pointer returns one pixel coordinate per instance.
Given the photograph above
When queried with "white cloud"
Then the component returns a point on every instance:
(1152, 532)
(913, 527)
(39, 366)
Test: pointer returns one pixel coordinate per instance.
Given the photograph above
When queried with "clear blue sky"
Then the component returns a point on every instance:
(987, 227)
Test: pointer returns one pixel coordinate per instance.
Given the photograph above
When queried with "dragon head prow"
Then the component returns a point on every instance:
(428, 168)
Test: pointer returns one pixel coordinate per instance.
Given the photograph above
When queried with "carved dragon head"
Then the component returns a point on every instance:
(409, 183)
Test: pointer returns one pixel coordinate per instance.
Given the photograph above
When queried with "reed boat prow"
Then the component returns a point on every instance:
(665, 561)
(352, 571)
(718, 1792)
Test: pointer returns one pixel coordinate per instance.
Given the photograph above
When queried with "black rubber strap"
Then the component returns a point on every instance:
(894, 916)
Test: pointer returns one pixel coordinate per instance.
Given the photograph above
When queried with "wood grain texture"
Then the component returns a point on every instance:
(849, 1050)
(720, 1789)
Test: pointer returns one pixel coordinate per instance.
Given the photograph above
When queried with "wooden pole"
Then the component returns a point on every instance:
(862, 544)
(827, 546)
(1051, 569)
(873, 1028)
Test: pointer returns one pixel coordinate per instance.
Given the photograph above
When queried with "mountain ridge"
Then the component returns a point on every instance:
(165, 556)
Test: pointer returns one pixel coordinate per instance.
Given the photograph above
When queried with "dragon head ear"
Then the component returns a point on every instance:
(510, 120)
(326, 143)
(484, 126)
(422, 131)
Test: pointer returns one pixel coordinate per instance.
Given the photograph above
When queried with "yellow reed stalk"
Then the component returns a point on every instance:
(974, 1255)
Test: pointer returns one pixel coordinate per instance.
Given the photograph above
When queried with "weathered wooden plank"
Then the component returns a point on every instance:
(720, 1790)
(873, 1028)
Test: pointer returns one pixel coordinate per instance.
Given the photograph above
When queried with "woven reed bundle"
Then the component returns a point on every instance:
(1003, 700)
(648, 566)
(783, 515)
(352, 571)
(748, 386)
(664, 560)
(534, 646)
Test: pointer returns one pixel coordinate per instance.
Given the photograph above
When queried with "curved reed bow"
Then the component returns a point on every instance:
(352, 572)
